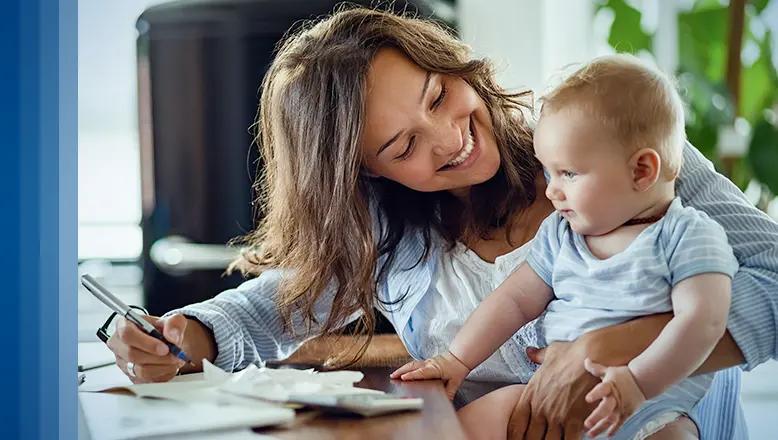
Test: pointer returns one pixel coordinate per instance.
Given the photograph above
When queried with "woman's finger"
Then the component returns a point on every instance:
(600, 391)
(137, 356)
(519, 420)
(156, 373)
(129, 334)
(410, 366)
(603, 410)
(147, 372)
(537, 428)
(173, 328)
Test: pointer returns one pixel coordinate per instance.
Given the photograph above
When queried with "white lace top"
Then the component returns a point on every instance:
(462, 281)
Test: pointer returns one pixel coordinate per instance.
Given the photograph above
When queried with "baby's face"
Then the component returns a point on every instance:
(591, 182)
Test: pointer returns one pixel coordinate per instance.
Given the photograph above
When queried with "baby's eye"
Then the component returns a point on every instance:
(568, 174)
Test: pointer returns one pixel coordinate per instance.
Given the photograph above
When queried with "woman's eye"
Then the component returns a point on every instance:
(441, 96)
(404, 155)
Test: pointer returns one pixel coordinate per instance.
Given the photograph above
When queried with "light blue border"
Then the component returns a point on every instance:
(68, 215)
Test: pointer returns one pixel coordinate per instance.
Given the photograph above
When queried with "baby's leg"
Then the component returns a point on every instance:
(681, 429)
(488, 416)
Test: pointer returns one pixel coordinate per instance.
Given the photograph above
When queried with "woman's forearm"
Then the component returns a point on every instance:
(619, 344)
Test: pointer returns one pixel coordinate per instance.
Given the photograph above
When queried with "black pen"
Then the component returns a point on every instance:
(115, 304)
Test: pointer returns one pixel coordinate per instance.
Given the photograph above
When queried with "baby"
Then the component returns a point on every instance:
(620, 245)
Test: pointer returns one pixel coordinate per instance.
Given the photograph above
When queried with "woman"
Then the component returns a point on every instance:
(382, 129)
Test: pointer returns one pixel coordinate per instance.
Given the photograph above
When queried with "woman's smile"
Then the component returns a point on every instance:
(467, 155)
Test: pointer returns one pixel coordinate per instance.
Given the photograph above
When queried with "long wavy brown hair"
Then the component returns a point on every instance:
(313, 201)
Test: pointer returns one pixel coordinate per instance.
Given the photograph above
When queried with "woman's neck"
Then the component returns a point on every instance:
(462, 194)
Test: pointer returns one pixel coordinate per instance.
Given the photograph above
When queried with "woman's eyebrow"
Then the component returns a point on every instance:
(421, 100)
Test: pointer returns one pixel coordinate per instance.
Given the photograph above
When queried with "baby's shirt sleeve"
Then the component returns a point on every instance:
(545, 247)
(696, 245)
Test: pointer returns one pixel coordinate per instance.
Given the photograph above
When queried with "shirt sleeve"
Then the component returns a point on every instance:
(545, 247)
(247, 326)
(753, 236)
(697, 245)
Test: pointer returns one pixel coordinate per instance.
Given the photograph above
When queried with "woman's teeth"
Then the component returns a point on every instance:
(465, 153)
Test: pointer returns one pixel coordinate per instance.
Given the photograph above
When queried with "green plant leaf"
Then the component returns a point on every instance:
(702, 37)
(759, 4)
(626, 34)
(763, 154)
(758, 82)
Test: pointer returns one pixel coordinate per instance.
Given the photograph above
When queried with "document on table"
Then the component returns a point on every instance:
(117, 417)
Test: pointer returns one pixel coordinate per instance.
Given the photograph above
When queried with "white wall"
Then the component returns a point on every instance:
(529, 40)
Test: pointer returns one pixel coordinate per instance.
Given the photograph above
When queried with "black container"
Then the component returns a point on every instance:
(200, 64)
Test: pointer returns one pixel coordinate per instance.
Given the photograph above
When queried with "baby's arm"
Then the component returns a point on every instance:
(521, 298)
(700, 307)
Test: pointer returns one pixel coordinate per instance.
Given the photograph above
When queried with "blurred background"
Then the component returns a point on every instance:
(168, 90)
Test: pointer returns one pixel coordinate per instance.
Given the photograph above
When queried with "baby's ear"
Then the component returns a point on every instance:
(646, 168)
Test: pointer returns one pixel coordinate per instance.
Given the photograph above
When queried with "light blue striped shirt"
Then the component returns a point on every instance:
(592, 293)
(247, 327)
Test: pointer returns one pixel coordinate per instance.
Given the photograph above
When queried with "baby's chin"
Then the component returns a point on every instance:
(588, 229)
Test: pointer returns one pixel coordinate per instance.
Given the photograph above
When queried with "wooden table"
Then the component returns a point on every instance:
(437, 420)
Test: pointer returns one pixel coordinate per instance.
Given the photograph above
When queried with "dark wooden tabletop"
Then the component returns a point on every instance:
(437, 419)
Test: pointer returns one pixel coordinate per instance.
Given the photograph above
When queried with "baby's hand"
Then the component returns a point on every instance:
(446, 367)
(619, 396)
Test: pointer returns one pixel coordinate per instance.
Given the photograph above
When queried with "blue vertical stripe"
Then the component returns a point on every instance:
(38, 184)
(10, 218)
(31, 244)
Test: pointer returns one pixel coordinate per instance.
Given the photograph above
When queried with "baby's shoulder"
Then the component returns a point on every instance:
(685, 223)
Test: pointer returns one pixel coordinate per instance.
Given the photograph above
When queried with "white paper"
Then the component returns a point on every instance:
(92, 354)
(117, 417)
(279, 384)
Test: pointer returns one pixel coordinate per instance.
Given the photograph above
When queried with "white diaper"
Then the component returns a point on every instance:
(657, 423)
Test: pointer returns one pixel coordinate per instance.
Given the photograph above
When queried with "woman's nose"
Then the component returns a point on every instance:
(446, 139)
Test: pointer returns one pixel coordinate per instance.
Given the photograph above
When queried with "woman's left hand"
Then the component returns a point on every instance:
(553, 404)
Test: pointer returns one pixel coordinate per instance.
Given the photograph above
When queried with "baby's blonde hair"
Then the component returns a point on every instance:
(639, 102)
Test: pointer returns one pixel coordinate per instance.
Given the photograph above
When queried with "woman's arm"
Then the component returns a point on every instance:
(619, 344)
(243, 325)
(753, 317)
(553, 405)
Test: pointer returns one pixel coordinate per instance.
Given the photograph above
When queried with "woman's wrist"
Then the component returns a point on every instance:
(619, 344)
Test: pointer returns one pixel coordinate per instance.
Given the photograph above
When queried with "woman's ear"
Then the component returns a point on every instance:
(646, 168)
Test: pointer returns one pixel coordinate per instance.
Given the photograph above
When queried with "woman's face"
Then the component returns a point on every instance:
(427, 131)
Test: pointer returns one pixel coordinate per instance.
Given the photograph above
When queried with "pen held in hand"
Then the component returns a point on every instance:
(118, 306)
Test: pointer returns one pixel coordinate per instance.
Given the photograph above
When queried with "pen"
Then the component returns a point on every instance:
(115, 304)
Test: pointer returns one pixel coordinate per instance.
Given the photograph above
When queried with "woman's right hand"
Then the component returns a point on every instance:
(144, 358)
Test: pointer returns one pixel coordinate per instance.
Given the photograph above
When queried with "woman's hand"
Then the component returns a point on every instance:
(553, 405)
(144, 358)
(446, 367)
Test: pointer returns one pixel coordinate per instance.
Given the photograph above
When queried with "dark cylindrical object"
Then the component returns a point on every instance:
(200, 64)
